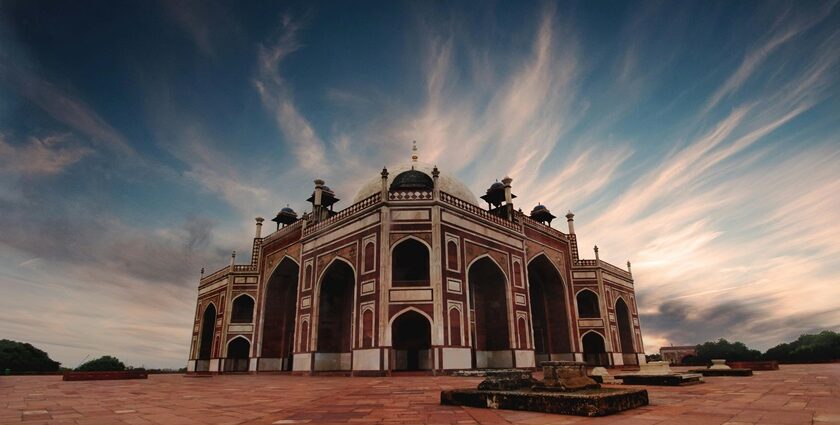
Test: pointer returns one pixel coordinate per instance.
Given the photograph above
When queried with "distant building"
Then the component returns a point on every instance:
(676, 354)
(414, 275)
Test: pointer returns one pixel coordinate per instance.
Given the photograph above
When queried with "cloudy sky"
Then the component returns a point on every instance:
(138, 140)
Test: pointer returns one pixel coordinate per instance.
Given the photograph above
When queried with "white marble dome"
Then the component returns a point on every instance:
(447, 183)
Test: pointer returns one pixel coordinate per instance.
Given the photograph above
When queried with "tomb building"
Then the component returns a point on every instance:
(415, 274)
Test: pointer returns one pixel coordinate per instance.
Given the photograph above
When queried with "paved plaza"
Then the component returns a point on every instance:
(796, 394)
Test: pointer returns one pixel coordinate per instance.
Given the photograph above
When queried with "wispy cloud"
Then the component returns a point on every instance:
(64, 107)
(44, 156)
(785, 29)
(277, 98)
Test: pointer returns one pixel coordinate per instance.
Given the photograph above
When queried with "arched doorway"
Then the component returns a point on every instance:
(335, 311)
(410, 264)
(411, 337)
(279, 317)
(594, 351)
(205, 345)
(238, 351)
(488, 302)
(548, 311)
(625, 332)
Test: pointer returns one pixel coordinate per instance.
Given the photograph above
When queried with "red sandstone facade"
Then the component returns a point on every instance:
(413, 276)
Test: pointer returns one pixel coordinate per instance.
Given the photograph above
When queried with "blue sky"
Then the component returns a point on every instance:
(139, 139)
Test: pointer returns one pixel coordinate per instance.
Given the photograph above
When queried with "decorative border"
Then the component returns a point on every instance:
(518, 283)
(307, 283)
(369, 305)
(521, 315)
(459, 285)
(304, 318)
(365, 242)
(372, 283)
(447, 238)
(455, 305)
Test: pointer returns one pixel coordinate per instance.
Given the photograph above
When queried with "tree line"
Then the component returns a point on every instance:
(808, 348)
(20, 357)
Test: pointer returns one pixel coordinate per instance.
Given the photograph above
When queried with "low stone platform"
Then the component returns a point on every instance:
(755, 365)
(723, 372)
(105, 376)
(599, 402)
(674, 379)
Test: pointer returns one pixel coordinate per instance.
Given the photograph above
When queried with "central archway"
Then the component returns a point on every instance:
(549, 311)
(411, 336)
(488, 302)
(335, 312)
(594, 351)
(279, 317)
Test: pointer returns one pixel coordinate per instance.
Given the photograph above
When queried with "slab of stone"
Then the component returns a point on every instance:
(600, 402)
(601, 375)
(723, 372)
(672, 379)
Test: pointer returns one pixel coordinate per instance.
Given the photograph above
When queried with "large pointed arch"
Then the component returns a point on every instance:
(206, 337)
(488, 297)
(334, 312)
(624, 319)
(550, 312)
(280, 301)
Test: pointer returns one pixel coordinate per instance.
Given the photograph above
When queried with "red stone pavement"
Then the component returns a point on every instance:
(796, 394)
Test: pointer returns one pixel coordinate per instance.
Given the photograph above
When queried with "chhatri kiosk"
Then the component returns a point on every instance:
(414, 275)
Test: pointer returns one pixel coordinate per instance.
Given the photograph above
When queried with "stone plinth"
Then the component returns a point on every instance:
(655, 368)
(105, 376)
(659, 373)
(719, 364)
(672, 379)
(756, 365)
(600, 402)
(723, 372)
(565, 376)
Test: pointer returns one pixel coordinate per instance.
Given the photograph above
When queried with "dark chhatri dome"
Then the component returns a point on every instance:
(288, 210)
(496, 186)
(412, 179)
(539, 208)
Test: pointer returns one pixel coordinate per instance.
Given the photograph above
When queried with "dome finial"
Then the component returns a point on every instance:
(413, 151)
